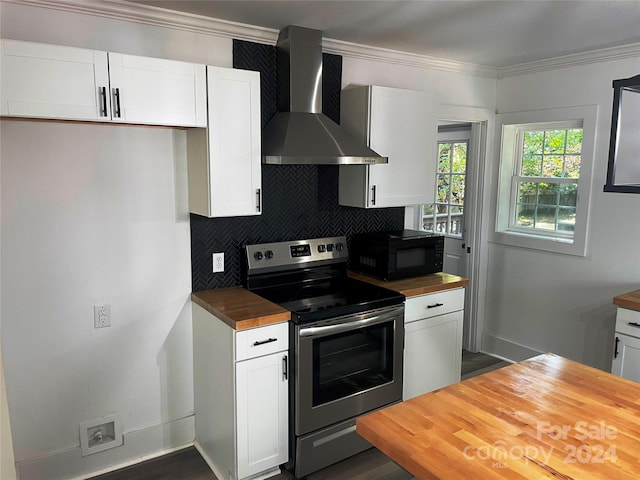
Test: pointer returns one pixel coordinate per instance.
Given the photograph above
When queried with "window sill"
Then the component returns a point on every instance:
(564, 246)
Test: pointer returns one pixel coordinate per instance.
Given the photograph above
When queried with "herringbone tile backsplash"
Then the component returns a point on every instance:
(299, 201)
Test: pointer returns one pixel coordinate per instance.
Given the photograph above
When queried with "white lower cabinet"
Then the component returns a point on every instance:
(261, 401)
(241, 397)
(626, 356)
(433, 341)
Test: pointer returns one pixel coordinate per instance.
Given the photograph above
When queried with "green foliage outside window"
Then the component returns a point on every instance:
(549, 155)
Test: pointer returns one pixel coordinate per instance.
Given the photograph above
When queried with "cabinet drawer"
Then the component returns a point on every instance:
(262, 341)
(425, 306)
(628, 322)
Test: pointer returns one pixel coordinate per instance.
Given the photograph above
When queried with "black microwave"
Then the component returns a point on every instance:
(397, 254)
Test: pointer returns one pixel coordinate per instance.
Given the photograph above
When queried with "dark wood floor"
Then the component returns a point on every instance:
(187, 464)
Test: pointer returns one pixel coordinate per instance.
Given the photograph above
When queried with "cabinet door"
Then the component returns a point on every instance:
(50, 81)
(155, 91)
(403, 128)
(626, 362)
(262, 413)
(234, 142)
(432, 353)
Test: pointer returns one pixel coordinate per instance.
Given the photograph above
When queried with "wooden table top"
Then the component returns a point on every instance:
(628, 300)
(546, 417)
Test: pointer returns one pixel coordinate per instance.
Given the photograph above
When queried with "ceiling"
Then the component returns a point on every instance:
(493, 33)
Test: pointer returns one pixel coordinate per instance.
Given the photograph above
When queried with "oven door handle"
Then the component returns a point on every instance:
(346, 325)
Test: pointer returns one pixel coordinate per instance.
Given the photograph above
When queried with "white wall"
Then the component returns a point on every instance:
(562, 303)
(96, 214)
(93, 214)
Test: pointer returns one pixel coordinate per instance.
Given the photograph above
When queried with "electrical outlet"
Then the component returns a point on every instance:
(101, 316)
(218, 262)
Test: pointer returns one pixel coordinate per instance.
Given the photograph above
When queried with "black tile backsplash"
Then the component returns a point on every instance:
(299, 201)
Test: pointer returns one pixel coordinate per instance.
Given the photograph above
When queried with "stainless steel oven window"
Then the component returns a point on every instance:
(352, 362)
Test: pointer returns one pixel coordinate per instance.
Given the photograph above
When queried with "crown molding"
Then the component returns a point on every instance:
(396, 57)
(573, 60)
(160, 17)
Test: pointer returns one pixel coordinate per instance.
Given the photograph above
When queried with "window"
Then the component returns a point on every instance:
(545, 179)
(446, 215)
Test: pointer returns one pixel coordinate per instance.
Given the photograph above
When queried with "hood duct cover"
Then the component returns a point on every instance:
(299, 133)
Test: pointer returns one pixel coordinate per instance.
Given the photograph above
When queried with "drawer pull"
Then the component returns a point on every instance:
(435, 305)
(633, 324)
(615, 353)
(262, 342)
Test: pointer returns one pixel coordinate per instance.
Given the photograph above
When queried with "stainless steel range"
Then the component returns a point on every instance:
(347, 339)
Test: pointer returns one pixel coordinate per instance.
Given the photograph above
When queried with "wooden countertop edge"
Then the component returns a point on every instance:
(412, 287)
(216, 303)
(629, 300)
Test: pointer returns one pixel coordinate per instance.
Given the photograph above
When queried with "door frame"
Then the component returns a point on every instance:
(482, 129)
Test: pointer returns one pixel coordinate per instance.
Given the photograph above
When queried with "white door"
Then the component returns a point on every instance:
(155, 91)
(262, 413)
(447, 215)
(627, 359)
(403, 128)
(458, 171)
(50, 81)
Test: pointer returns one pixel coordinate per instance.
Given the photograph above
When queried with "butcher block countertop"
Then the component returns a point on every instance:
(239, 308)
(628, 300)
(411, 287)
(546, 417)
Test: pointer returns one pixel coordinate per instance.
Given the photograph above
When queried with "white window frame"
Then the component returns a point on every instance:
(509, 125)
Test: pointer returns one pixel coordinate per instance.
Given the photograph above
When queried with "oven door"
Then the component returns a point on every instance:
(347, 366)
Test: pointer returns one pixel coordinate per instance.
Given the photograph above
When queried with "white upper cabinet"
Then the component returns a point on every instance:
(49, 81)
(157, 92)
(224, 160)
(399, 124)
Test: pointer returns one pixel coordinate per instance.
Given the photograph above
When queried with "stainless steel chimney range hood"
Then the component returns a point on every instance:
(300, 133)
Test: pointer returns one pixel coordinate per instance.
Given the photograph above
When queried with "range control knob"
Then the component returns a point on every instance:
(322, 248)
(339, 246)
(268, 254)
(257, 256)
(329, 247)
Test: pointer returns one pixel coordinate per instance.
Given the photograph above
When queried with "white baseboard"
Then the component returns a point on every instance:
(139, 445)
(208, 461)
(506, 349)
